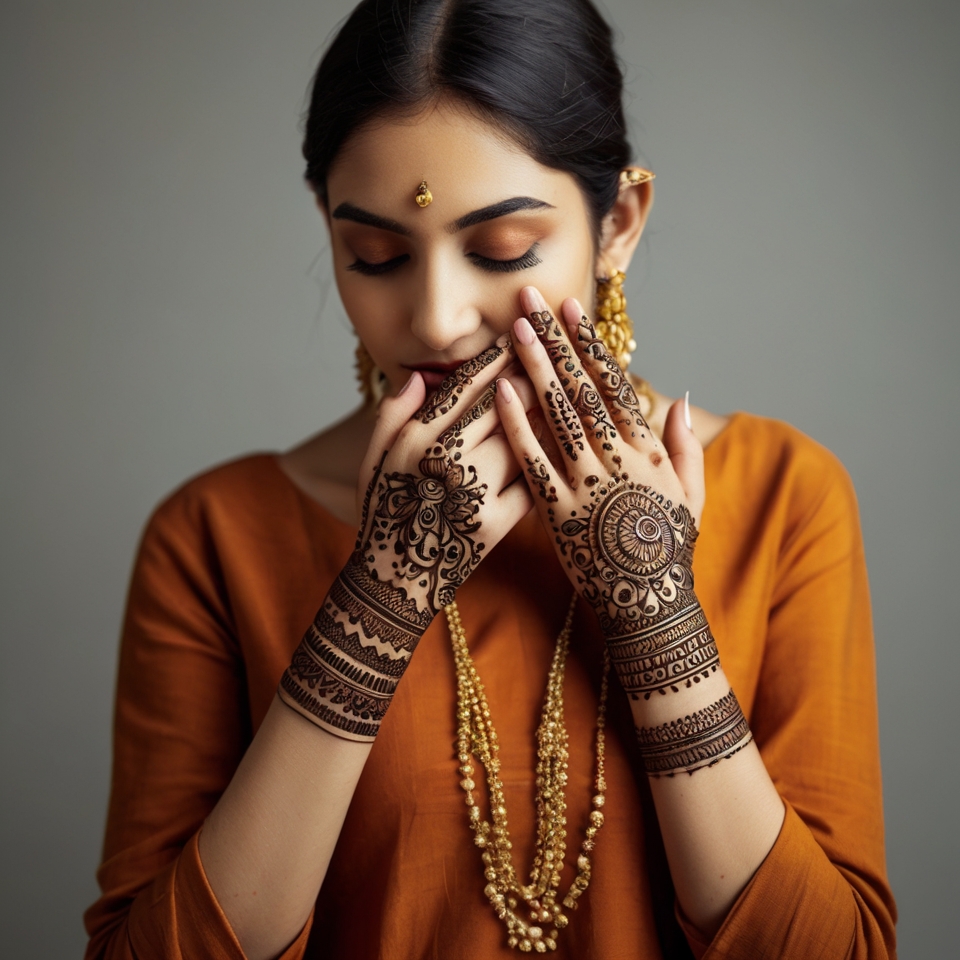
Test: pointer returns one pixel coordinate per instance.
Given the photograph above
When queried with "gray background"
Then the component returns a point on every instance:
(166, 304)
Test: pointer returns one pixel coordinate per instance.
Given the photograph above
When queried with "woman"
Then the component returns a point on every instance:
(702, 772)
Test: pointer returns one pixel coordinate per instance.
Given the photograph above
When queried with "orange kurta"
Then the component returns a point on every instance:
(231, 571)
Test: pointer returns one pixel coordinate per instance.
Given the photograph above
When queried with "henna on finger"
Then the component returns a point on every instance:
(566, 425)
(448, 393)
(612, 380)
(700, 739)
(540, 478)
(582, 394)
(451, 438)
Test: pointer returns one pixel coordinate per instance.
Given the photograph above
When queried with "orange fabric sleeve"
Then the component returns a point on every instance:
(180, 728)
(822, 889)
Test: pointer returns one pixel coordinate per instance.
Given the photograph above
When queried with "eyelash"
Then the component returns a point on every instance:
(524, 262)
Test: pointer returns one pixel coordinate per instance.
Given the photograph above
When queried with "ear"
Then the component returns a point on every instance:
(623, 226)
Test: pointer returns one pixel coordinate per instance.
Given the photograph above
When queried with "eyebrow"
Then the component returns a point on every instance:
(348, 211)
(501, 209)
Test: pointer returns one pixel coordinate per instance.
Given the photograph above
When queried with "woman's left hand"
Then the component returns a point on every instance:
(621, 505)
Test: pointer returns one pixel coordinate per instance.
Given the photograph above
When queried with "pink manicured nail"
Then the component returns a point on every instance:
(408, 384)
(505, 390)
(524, 331)
(686, 410)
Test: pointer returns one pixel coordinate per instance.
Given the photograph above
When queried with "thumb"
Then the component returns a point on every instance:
(686, 455)
(392, 415)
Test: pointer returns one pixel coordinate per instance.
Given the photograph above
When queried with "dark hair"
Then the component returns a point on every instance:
(544, 71)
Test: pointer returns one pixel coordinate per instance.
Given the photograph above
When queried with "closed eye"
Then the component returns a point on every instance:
(375, 269)
(524, 262)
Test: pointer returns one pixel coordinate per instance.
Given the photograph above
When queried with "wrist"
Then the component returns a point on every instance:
(668, 653)
(345, 672)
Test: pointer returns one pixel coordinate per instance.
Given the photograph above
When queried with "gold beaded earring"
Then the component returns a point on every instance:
(369, 376)
(614, 326)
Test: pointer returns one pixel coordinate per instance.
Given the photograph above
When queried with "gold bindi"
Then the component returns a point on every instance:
(424, 197)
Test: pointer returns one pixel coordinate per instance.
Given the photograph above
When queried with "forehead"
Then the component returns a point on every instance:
(467, 163)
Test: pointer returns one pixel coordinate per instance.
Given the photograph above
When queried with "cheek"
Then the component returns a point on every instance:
(567, 271)
(375, 310)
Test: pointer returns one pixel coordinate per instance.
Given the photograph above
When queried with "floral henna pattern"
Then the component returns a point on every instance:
(448, 393)
(417, 544)
(612, 381)
(586, 400)
(698, 740)
(630, 552)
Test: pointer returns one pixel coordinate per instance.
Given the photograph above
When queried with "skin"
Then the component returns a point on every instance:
(267, 843)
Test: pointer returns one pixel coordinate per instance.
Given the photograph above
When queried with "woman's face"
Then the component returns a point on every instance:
(427, 288)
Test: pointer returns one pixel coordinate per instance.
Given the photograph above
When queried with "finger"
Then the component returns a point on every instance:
(481, 420)
(612, 381)
(556, 405)
(579, 388)
(392, 415)
(483, 369)
(495, 462)
(539, 473)
(686, 456)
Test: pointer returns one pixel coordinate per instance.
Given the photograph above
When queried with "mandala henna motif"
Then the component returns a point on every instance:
(698, 740)
(448, 393)
(632, 553)
(416, 545)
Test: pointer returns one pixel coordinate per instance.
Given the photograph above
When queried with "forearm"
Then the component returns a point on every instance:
(267, 844)
(718, 822)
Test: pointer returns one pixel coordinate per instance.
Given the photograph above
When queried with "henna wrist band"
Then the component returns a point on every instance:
(700, 739)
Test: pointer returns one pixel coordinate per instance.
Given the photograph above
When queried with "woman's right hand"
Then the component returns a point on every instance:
(442, 488)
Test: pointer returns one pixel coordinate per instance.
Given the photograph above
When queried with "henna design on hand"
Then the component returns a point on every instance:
(540, 477)
(565, 423)
(416, 546)
(698, 740)
(631, 554)
(448, 393)
(450, 439)
(586, 400)
(613, 382)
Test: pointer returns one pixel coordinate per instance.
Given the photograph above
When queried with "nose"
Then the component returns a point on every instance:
(444, 308)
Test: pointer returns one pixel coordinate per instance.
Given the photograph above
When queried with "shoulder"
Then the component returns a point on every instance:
(768, 468)
(241, 505)
(231, 487)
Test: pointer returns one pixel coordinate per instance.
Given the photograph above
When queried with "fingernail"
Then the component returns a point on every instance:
(524, 332)
(505, 342)
(538, 296)
(408, 384)
(505, 390)
(686, 410)
(573, 325)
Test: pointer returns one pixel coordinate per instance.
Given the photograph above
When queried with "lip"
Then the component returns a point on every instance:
(433, 373)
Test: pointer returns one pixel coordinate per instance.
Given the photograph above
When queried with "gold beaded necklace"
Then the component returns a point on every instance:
(476, 737)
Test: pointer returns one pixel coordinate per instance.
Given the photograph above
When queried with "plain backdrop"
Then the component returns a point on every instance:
(167, 304)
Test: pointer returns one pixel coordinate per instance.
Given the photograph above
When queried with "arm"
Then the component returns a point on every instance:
(621, 508)
(269, 837)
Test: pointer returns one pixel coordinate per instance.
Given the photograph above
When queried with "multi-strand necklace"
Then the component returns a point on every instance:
(544, 919)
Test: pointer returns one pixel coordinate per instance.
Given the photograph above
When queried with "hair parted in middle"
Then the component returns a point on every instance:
(543, 71)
